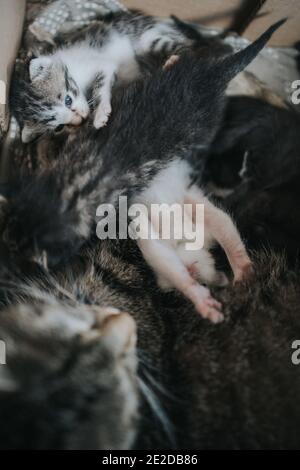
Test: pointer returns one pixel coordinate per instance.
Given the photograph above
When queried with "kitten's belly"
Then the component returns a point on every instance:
(119, 55)
(171, 186)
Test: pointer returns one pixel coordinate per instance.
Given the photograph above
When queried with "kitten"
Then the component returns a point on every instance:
(257, 143)
(107, 54)
(142, 155)
(256, 155)
(70, 374)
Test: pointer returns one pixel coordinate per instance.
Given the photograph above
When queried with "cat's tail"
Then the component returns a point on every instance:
(236, 63)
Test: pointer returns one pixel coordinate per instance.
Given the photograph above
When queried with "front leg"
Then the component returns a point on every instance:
(102, 94)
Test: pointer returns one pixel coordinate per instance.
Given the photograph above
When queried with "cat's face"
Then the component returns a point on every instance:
(61, 100)
(69, 378)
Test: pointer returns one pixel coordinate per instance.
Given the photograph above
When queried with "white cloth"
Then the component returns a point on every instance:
(63, 16)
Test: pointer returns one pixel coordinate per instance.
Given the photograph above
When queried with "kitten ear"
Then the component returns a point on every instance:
(39, 68)
(30, 132)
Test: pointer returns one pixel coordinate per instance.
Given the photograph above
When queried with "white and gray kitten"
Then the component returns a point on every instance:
(108, 54)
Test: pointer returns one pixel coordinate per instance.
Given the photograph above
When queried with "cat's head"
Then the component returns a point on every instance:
(69, 378)
(55, 99)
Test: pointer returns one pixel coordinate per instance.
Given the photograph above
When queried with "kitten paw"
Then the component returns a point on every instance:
(171, 61)
(102, 116)
(205, 304)
(210, 309)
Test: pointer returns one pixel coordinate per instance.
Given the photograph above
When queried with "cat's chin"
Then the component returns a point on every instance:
(76, 120)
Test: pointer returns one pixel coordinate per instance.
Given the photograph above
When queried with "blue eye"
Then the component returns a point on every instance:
(68, 101)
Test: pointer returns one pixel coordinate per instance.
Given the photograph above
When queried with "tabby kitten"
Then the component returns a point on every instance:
(108, 54)
(144, 156)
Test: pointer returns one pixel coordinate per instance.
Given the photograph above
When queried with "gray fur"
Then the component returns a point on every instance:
(70, 380)
(229, 387)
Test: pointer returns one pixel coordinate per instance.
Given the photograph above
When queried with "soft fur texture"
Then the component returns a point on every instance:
(63, 84)
(243, 401)
(71, 368)
(121, 162)
(257, 153)
(96, 167)
(70, 376)
(240, 378)
(267, 134)
(205, 387)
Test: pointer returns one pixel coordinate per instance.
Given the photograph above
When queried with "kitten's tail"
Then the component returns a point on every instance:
(236, 63)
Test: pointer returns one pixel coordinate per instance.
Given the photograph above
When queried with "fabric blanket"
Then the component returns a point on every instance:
(63, 16)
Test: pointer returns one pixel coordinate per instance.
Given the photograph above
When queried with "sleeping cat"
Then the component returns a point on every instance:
(232, 387)
(70, 373)
(107, 54)
(142, 155)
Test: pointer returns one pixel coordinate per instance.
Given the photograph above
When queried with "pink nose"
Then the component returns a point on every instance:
(84, 114)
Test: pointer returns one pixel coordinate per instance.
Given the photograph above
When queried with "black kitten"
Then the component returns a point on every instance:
(257, 153)
(258, 142)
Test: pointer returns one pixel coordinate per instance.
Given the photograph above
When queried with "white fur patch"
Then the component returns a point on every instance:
(170, 186)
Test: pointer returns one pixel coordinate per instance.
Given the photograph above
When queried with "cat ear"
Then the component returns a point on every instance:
(39, 68)
(236, 63)
(30, 132)
(119, 333)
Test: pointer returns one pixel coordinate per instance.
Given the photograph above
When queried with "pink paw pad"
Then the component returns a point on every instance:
(211, 309)
(171, 61)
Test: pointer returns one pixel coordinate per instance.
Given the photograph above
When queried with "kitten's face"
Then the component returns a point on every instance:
(61, 103)
(70, 377)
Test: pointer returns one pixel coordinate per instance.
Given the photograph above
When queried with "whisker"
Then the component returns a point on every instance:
(157, 410)
(160, 388)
